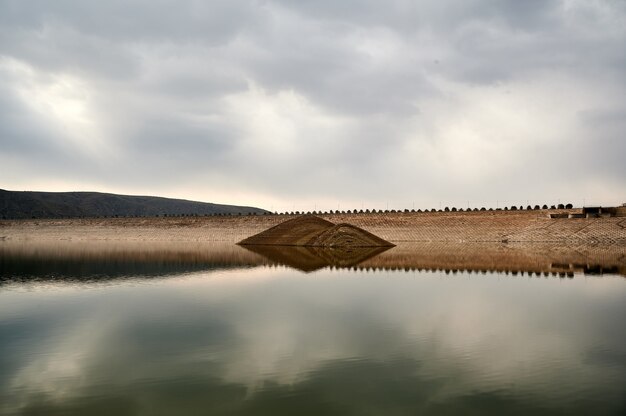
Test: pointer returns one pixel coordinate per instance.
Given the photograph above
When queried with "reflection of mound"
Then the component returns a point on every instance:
(313, 231)
(309, 258)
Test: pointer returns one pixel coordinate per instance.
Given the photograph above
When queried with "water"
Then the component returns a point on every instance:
(161, 330)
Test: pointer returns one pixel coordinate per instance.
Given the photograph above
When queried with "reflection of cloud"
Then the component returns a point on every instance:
(446, 337)
(58, 369)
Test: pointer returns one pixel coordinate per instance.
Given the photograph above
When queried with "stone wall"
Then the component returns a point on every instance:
(475, 226)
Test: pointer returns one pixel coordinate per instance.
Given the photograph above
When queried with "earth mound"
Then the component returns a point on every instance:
(312, 231)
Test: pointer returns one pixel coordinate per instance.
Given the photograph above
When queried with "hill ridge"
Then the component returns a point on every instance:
(77, 204)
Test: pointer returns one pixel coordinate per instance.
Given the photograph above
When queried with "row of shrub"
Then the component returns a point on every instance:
(446, 209)
(330, 212)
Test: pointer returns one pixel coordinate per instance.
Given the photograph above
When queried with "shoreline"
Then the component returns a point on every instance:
(544, 258)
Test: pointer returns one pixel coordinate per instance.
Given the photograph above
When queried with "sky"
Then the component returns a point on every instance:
(310, 105)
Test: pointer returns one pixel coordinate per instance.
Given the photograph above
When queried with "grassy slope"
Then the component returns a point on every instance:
(15, 204)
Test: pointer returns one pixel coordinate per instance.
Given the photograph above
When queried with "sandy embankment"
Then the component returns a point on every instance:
(489, 226)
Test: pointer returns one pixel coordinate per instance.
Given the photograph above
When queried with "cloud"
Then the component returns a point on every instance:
(279, 102)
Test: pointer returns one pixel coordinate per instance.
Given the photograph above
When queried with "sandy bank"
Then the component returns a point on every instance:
(490, 226)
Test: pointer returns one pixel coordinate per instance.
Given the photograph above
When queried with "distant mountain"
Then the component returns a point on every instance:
(15, 205)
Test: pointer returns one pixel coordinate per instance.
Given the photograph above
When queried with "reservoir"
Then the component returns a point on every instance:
(109, 329)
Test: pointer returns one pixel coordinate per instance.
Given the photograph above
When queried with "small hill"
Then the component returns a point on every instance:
(347, 235)
(299, 231)
(312, 231)
(18, 205)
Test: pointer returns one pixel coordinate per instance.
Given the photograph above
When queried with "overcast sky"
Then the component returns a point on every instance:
(317, 104)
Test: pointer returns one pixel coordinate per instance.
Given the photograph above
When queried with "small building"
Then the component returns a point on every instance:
(594, 212)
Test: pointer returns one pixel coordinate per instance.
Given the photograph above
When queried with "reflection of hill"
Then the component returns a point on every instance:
(110, 260)
(309, 259)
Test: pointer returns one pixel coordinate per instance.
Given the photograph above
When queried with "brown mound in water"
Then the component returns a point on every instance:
(312, 231)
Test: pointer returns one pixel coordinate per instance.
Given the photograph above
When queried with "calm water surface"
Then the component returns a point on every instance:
(161, 335)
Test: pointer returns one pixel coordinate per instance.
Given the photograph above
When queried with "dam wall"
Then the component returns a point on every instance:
(492, 226)
(458, 227)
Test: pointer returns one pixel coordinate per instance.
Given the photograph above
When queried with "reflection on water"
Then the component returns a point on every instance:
(308, 259)
(84, 262)
(225, 334)
(97, 261)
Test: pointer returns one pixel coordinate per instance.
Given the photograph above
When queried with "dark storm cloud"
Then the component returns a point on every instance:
(324, 100)
(137, 21)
